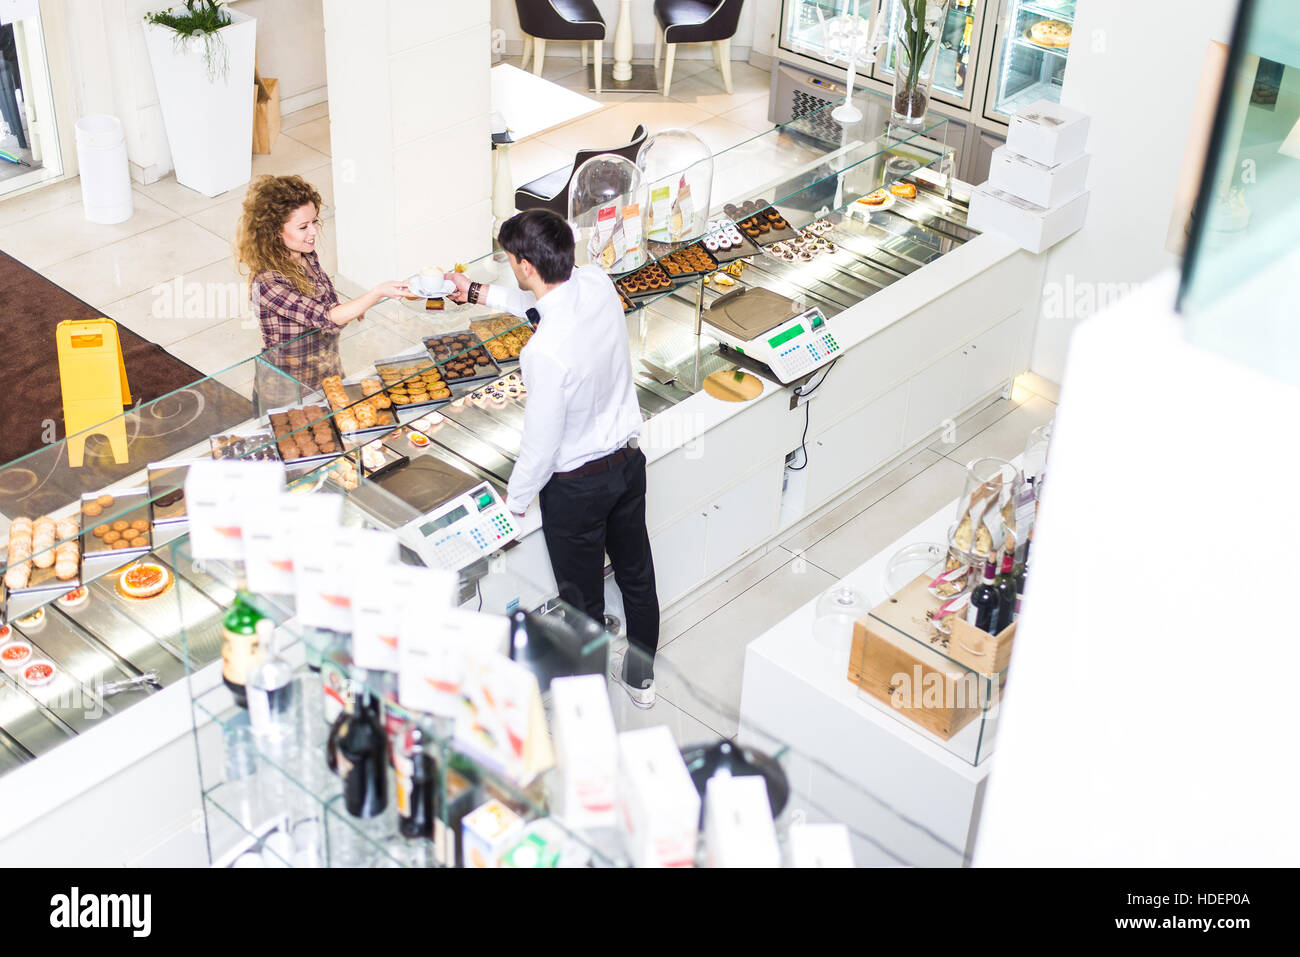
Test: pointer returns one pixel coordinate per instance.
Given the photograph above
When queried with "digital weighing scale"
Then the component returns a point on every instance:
(770, 328)
(461, 518)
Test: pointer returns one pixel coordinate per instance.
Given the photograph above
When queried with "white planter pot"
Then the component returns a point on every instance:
(209, 122)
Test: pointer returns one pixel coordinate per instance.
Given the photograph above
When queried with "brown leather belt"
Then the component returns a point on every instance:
(602, 464)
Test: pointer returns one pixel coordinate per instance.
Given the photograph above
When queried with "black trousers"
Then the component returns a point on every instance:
(582, 519)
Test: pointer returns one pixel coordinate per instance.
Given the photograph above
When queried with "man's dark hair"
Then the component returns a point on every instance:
(544, 239)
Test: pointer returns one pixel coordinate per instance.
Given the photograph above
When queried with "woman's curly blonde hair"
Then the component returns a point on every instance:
(271, 200)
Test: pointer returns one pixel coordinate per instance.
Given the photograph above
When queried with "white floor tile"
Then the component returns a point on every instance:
(752, 114)
(132, 265)
(167, 313)
(289, 157)
(804, 538)
(556, 68)
(719, 134)
(970, 425)
(63, 233)
(315, 133)
(218, 348)
(687, 616)
(706, 90)
(298, 117)
(183, 200)
(867, 533)
(1005, 438)
(220, 220)
(711, 655)
(15, 209)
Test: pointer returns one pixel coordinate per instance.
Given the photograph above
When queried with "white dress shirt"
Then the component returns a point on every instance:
(578, 371)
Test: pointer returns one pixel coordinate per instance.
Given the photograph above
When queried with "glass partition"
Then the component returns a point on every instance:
(1238, 275)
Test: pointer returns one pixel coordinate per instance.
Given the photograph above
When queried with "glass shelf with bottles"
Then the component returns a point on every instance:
(396, 815)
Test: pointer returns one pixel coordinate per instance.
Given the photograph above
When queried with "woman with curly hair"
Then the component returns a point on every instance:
(291, 294)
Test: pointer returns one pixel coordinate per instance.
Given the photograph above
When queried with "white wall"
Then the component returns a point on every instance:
(111, 72)
(1140, 96)
(506, 18)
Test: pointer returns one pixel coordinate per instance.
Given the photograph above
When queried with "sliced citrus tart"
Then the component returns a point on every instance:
(144, 580)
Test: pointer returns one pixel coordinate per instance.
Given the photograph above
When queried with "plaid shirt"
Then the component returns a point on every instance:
(297, 332)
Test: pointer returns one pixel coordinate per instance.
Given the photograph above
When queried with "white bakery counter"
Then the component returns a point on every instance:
(929, 798)
(123, 793)
(917, 353)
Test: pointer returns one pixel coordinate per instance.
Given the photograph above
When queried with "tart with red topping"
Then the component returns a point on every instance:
(144, 580)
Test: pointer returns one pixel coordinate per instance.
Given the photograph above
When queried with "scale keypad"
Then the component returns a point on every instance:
(469, 542)
(805, 355)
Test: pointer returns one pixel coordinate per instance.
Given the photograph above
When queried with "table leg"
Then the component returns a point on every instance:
(503, 190)
(623, 42)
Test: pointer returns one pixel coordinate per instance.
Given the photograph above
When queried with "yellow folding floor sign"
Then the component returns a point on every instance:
(93, 377)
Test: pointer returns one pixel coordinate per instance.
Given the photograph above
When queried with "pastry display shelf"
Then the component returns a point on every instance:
(295, 783)
(1052, 11)
(1026, 44)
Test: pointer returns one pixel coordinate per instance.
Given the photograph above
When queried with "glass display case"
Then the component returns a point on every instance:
(1029, 60)
(957, 60)
(274, 802)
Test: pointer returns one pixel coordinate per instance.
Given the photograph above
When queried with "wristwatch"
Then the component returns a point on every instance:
(475, 290)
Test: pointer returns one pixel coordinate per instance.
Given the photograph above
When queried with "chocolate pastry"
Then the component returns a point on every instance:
(171, 498)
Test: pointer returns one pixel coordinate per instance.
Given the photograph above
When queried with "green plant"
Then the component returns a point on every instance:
(914, 39)
(201, 18)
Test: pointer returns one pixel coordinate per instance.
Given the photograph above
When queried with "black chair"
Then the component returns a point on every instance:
(697, 21)
(552, 190)
(543, 20)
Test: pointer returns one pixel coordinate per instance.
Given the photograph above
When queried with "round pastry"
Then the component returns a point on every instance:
(120, 544)
(33, 621)
(144, 580)
(5, 633)
(92, 509)
(140, 542)
(15, 654)
(65, 569)
(142, 525)
(419, 439)
(779, 223)
(39, 673)
(497, 398)
(1051, 33)
(104, 501)
(75, 598)
(99, 531)
(121, 525)
(875, 198)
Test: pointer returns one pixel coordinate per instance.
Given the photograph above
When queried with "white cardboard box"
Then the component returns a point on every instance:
(1032, 226)
(1048, 133)
(587, 744)
(1047, 186)
(488, 832)
(820, 845)
(738, 828)
(660, 806)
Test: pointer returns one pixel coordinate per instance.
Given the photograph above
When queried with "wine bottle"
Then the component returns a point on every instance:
(983, 610)
(963, 54)
(270, 688)
(362, 754)
(1005, 586)
(1020, 576)
(239, 647)
(416, 785)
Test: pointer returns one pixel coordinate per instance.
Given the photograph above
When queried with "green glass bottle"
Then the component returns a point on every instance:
(239, 647)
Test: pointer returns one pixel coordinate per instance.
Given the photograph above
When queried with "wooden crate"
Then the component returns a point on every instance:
(909, 675)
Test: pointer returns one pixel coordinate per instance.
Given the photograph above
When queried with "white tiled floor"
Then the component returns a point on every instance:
(129, 270)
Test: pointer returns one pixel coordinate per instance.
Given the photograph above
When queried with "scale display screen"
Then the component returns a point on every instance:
(784, 337)
(451, 518)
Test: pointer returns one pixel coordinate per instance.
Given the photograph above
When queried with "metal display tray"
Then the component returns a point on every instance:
(87, 662)
(166, 479)
(24, 721)
(385, 419)
(311, 460)
(404, 413)
(490, 371)
(132, 505)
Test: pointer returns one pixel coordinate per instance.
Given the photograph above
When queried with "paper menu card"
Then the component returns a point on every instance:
(434, 651)
(385, 595)
(218, 496)
(327, 563)
(272, 526)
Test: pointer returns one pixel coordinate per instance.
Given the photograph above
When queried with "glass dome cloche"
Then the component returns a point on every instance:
(607, 214)
(678, 172)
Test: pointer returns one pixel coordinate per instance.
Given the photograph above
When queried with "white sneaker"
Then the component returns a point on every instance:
(644, 698)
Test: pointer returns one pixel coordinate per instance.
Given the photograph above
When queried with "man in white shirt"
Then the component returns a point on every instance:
(581, 421)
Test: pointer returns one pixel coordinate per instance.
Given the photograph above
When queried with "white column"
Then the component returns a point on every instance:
(410, 104)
